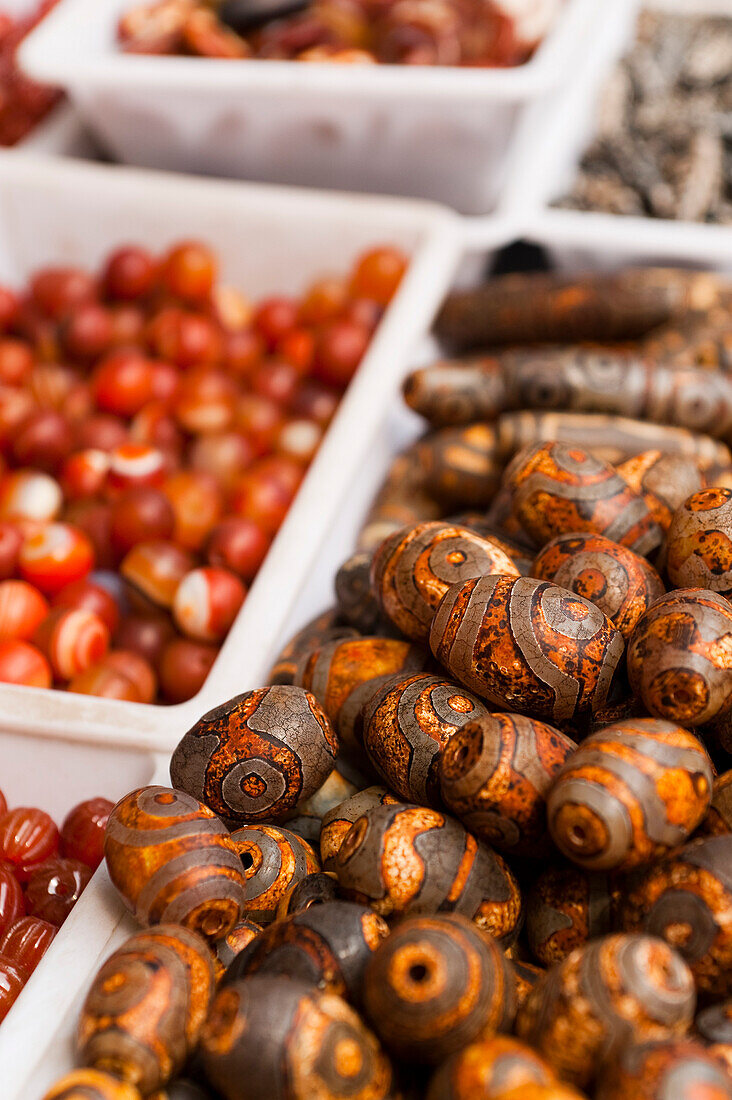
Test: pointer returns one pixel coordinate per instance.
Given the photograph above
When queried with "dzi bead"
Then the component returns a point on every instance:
(273, 861)
(679, 658)
(663, 480)
(288, 1041)
(461, 466)
(529, 645)
(171, 859)
(322, 629)
(327, 945)
(143, 1014)
(406, 726)
(315, 889)
(565, 908)
(436, 984)
(527, 975)
(257, 756)
(231, 945)
(414, 568)
(629, 794)
(678, 1068)
(408, 859)
(494, 775)
(718, 821)
(699, 542)
(356, 602)
(616, 990)
(337, 822)
(488, 1069)
(91, 1084)
(618, 581)
(713, 1025)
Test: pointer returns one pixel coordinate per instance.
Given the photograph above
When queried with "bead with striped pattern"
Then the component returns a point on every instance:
(273, 860)
(226, 950)
(664, 480)
(678, 1069)
(324, 628)
(713, 1025)
(527, 975)
(91, 1084)
(487, 1069)
(337, 822)
(315, 889)
(565, 908)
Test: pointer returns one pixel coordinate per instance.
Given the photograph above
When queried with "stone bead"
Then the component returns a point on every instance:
(228, 948)
(718, 821)
(557, 1090)
(495, 773)
(526, 975)
(561, 490)
(699, 542)
(565, 908)
(614, 991)
(326, 627)
(289, 1041)
(273, 860)
(457, 391)
(257, 756)
(436, 984)
(172, 860)
(327, 945)
(618, 581)
(308, 818)
(528, 645)
(409, 859)
(338, 821)
(461, 466)
(413, 570)
(663, 480)
(315, 889)
(143, 1014)
(91, 1084)
(679, 658)
(629, 794)
(357, 604)
(686, 899)
(486, 1069)
(713, 1025)
(664, 1071)
(406, 726)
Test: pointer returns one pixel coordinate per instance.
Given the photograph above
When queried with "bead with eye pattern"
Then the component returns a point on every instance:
(143, 1014)
(664, 480)
(566, 907)
(273, 860)
(171, 859)
(325, 627)
(665, 1070)
(226, 950)
(91, 1084)
(616, 990)
(699, 542)
(436, 984)
(487, 1069)
(315, 889)
(337, 822)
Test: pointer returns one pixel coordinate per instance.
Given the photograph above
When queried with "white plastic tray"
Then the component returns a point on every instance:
(438, 132)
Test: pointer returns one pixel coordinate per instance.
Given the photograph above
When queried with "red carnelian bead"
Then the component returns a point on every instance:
(137, 670)
(274, 318)
(139, 515)
(87, 596)
(32, 324)
(299, 439)
(26, 942)
(323, 301)
(340, 349)
(205, 401)
(16, 361)
(259, 419)
(135, 464)
(364, 312)
(22, 663)
(207, 602)
(155, 569)
(130, 273)
(57, 290)
(77, 406)
(266, 491)
(12, 980)
(11, 541)
(43, 440)
(122, 382)
(165, 382)
(184, 668)
(54, 889)
(84, 473)
(55, 556)
(22, 610)
(189, 271)
(155, 427)
(101, 432)
(230, 308)
(15, 406)
(223, 455)
(276, 380)
(198, 505)
(29, 494)
(238, 544)
(106, 682)
(73, 639)
(27, 837)
(82, 833)
(50, 384)
(297, 347)
(377, 274)
(94, 518)
(9, 308)
(243, 351)
(146, 635)
(88, 332)
(184, 338)
(128, 325)
(12, 901)
(314, 401)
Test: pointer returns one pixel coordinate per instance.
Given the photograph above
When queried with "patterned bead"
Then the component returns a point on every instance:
(91, 1084)
(327, 945)
(618, 581)
(663, 480)
(315, 889)
(686, 899)
(73, 639)
(529, 645)
(414, 568)
(257, 756)
(526, 975)
(457, 391)
(145, 1009)
(356, 602)
(487, 1069)
(699, 542)
(494, 775)
(629, 794)
(337, 822)
(718, 821)
(461, 466)
(559, 490)
(714, 1027)
(308, 818)
(435, 985)
(289, 1041)
(557, 1090)
(230, 946)
(273, 861)
(565, 908)
(171, 859)
(679, 657)
(616, 990)
(323, 628)
(406, 726)
(408, 859)
(665, 1071)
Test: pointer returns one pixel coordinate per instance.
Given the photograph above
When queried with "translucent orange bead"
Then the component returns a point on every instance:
(22, 610)
(55, 556)
(73, 639)
(207, 602)
(29, 494)
(23, 663)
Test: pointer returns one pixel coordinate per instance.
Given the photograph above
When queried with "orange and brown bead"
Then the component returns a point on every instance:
(338, 821)
(326, 627)
(495, 773)
(143, 1014)
(614, 991)
(718, 821)
(664, 481)
(630, 793)
(92, 1084)
(487, 1069)
(675, 1068)
(172, 860)
(461, 466)
(273, 860)
(526, 975)
(226, 950)
(315, 889)
(565, 908)
(699, 542)
(713, 1026)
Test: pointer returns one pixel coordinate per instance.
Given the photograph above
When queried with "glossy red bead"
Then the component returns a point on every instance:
(184, 667)
(198, 505)
(274, 318)
(259, 419)
(82, 832)
(138, 671)
(87, 596)
(122, 382)
(26, 941)
(28, 836)
(105, 682)
(23, 663)
(22, 610)
(54, 889)
(12, 980)
(299, 440)
(323, 301)
(129, 273)
(146, 635)
(340, 348)
(189, 271)
(29, 494)
(133, 465)
(207, 602)
(277, 380)
(240, 545)
(11, 541)
(94, 518)
(16, 361)
(57, 290)
(139, 515)
(315, 401)
(243, 351)
(88, 332)
(205, 401)
(184, 338)
(55, 556)
(155, 569)
(377, 274)
(265, 492)
(73, 640)
(223, 455)
(42, 441)
(84, 474)
(12, 900)
(101, 432)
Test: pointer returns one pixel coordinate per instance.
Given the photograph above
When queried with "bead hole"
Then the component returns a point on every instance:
(681, 697)
(461, 754)
(418, 973)
(577, 834)
(247, 860)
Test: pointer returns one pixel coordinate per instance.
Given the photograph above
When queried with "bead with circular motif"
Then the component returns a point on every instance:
(171, 859)
(227, 949)
(22, 610)
(257, 756)
(73, 640)
(679, 658)
(144, 1012)
(461, 465)
(315, 889)
(273, 860)
(206, 602)
(528, 644)
(665, 1069)
(135, 464)
(616, 990)
(413, 569)
(629, 794)
(663, 479)
(91, 1084)
(699, 542)
(307, 819)
(23, 663)
(494, 775)
(337, 822)
(54, 556)
(488, 1068)
(566, 907)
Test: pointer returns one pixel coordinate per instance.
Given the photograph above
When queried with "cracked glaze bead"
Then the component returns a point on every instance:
(337, 822)
(273, 861)
(699, 542)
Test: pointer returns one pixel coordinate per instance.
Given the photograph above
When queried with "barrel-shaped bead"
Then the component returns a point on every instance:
(326, 627)
(338, 821)
(664, 480)
(487, 1069)
(674, 1068)
(699, 542)
(91, 1084)
(231, 945)
(565, 908)
(273, 860)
